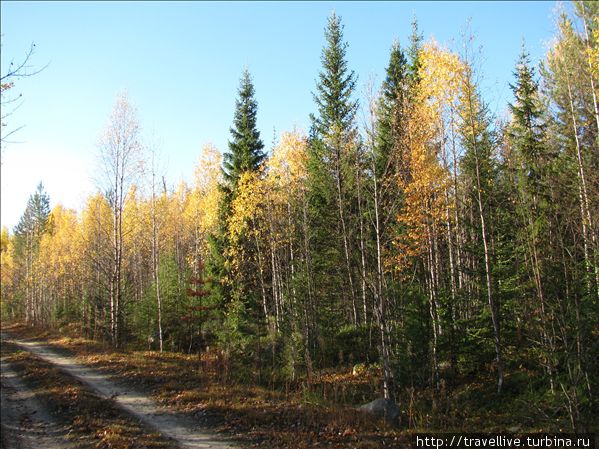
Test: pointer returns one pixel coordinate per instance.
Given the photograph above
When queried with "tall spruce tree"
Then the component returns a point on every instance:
(391, 109)
(526, 136)
(526, 133)
(527, 130)
(34, 220)
(478, 172)
(333, 97)
(245, 147)
(387, 162)
(414, 52)
(331, 191)
(235, 291)
(245, 154)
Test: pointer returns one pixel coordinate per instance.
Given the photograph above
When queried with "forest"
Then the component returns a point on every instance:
(411, 234)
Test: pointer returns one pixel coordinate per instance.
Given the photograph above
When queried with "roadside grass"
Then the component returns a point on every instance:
(91, 420)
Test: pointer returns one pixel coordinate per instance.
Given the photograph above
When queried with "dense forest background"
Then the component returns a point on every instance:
(415, 235)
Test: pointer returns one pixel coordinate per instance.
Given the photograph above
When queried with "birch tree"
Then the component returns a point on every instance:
(120, 156)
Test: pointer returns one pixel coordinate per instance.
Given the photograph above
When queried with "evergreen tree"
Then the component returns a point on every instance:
(527, 130)
(28, 234)
(414, 52)
(35, 218)
(388, 161)
(235, 291)
(391, 109)
(556, 219)
(333, 97)
(245, 154)
(526, 136)
(245, 147)
(332, 200)
(478, 171)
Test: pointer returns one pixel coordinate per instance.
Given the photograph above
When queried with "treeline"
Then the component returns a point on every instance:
(430, 238)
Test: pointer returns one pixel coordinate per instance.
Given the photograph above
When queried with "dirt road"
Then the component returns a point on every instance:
(26, 422)
(182, 430)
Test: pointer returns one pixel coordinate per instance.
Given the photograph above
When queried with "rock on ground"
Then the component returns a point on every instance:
(382, 408)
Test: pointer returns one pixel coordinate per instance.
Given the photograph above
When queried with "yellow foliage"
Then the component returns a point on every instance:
(287, 166)
(246, 205)
(97, 227)
(60, 251)
(202, 209)
(427, 179)
(7, 264)
(285, 183)
(593, 52)
(261, 211)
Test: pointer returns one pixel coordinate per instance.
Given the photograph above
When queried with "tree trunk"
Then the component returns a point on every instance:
(587, 221)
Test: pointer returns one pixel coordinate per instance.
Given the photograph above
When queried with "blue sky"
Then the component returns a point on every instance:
(181, 61)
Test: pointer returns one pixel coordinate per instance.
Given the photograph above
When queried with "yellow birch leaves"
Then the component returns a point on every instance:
(434, 101)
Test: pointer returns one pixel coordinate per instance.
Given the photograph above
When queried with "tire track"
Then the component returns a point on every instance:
(26, 423)
(183, 430)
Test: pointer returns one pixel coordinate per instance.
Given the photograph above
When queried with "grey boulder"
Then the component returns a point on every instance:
(382, 408)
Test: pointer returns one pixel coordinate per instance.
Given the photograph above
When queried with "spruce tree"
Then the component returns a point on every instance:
(334, 90)
(333, 170)
(245, 154)
(245, 147)
(391, 110)
(35, 217)
(479, 172)
(235, 293)
(543, 223)
(527, 130)
(414, 53)
(28, 234)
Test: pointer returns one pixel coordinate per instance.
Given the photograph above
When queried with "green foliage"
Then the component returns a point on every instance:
(527, 129)
(245, 147)
(335, 87)
(34, 221)
(354, 344)
(391, 112)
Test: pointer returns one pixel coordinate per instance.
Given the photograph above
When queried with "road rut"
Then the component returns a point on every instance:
(182, 430)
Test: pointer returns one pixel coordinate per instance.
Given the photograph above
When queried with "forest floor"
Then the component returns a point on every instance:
(44, 407)
(137, 405)
(156, 400)
(201, 406)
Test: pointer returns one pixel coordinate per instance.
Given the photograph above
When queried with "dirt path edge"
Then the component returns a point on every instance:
(183, 431)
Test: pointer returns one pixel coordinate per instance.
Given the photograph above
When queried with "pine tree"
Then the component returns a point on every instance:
(245, 147)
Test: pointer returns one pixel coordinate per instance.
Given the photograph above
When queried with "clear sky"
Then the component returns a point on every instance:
(181, 62)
